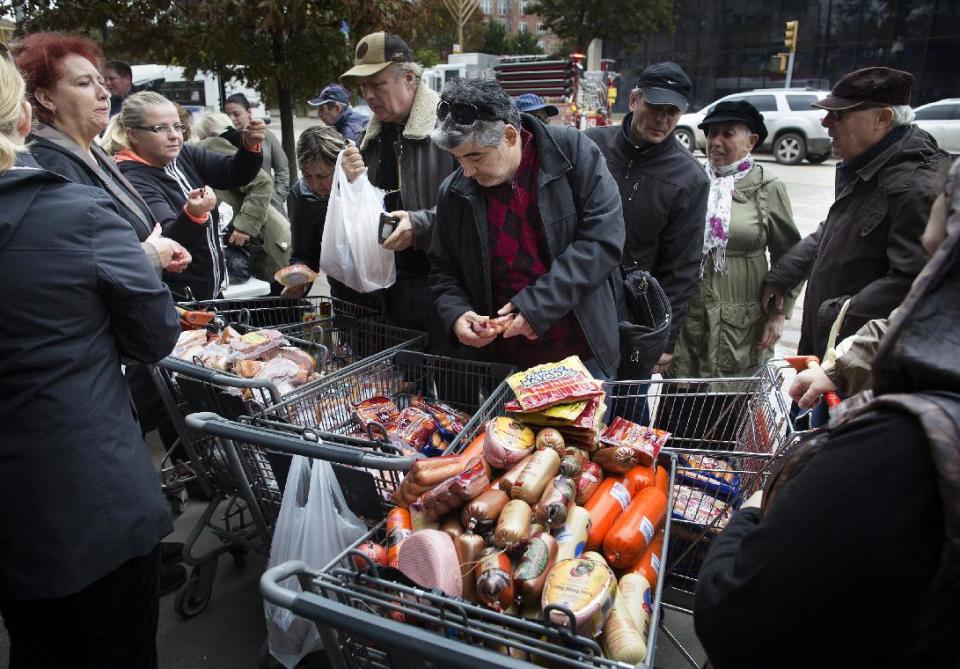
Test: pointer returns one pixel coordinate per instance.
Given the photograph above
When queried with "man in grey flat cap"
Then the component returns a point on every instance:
(864, 256)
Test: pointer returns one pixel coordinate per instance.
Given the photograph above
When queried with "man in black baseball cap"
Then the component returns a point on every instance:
(664, 192)
(867, 252)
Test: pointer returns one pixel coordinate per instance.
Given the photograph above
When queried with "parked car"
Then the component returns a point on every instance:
(793, 126)
(942, 120)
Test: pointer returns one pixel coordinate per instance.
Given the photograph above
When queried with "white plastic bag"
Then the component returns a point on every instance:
(314, 525)
(350, 249)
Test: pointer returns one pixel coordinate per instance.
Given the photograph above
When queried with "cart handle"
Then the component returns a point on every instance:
(802, 362)
(218, 426)
(215, 376)
(391, 634)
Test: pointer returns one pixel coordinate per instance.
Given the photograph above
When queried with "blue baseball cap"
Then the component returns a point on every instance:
(332, 93)
(531, 102)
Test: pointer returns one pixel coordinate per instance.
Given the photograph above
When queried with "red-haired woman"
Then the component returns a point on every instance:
(71, 107)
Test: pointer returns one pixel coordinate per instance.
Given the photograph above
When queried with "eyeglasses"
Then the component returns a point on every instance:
(178, 128)
(838, 115)
(465, 113)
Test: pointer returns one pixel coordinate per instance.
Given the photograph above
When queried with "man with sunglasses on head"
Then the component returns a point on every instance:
(396, 151)
(664, 191)
(529, 230)
(867, 252)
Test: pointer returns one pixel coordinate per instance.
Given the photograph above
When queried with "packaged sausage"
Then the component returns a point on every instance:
(482, 511)
(551, 510)
(622, 640)
(648, 565)
(399, 527)
(507, 442)
(413, 427)
(494, 582)
(572, 537)
(633, 531)
(605, 506)
(542, 467)
(375, 552)
(586, 587)
(469, 547)
(378, 409)
(640, 477)
(646, 440)
(506, 481)
(636, 592)
(618, 459)
(587, 483)
(711, 475)
(419, 519)
(452, 527)
(553, 383)
(531, 573)
(513, 526)
(471, 482)
(549, 438)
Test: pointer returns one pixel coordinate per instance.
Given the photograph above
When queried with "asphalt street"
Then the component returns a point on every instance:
(230, 632)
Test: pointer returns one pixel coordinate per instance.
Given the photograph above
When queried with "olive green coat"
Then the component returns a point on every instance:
(725, 320)
(253, 215)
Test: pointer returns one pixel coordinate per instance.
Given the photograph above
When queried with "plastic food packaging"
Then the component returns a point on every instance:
(646, 440)
(429, 559)
(413, 428)
(294, 275)
(584, 586)
(507, 442)
(495, 582)
(553, 383)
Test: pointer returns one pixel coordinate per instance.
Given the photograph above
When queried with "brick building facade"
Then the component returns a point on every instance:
(513, 14)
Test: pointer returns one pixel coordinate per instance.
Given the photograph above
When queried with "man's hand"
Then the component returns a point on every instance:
(467, 327)
(663, 364)
(238, 238)
(402, 237)
(254, 133)
(772, 331)
(769, 292)
(352, 163)
(201, 202)
(519, 326)
(809, 385)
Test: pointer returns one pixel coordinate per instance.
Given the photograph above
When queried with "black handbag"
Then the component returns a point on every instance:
(644, 316)
(239, 261)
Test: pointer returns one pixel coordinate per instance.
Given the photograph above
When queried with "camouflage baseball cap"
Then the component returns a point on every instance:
(375, 52)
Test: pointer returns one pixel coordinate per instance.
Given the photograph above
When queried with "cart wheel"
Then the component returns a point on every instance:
(177, 505)
(239, 557)
(191, 600)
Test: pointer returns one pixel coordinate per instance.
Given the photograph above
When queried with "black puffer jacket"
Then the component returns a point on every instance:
(580, 209)
(868, 249)
(164, 195)
(664, 193)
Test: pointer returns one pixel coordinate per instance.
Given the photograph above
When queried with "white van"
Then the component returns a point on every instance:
(198, 95)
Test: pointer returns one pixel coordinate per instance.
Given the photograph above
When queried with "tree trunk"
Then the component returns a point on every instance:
(285, 102)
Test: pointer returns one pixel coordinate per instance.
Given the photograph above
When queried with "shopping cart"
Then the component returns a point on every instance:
(356, 612)
(726, 434)
(325, 411)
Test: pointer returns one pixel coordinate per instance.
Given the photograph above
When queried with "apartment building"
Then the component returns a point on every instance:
(515, 16)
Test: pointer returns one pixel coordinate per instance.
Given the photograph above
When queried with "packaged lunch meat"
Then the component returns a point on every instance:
(553, 383)
(585, 586)
(698, 507)
(294, 275)
(507, 442)
(646, 440)
(257, 343)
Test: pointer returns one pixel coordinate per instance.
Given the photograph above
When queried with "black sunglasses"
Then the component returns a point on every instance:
(465, 113)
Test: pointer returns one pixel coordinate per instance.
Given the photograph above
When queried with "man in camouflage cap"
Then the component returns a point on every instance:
(399, 157)
(867, 252)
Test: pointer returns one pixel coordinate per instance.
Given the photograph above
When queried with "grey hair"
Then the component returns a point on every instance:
(319, 143)
(448, 134)
(212, 124)
(902, 115)
(416, 69)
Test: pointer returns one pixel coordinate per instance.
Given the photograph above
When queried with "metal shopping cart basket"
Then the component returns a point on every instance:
(325, 411)
(726, 434)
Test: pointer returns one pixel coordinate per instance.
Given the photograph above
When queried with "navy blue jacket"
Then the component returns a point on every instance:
(78, 493)
(351, 124)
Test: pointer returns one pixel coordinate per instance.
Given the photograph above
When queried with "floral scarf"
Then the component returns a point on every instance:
(722, 180)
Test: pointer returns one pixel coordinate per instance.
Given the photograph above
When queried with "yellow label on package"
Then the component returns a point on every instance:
(553, 383)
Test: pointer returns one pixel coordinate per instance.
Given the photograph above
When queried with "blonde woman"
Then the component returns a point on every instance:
(81, 511)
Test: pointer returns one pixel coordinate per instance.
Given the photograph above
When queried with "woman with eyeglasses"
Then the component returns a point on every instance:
(71, 106)
(177, 182)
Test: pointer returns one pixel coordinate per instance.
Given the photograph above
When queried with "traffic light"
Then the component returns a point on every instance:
(790, 35)
(778, 63)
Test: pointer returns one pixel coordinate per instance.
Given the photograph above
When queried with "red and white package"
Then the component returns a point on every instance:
(646, 440)
(553, 383)
(377, 409)
(413, 427)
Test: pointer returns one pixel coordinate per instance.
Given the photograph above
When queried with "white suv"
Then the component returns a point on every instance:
(793, 126)
(942, 120)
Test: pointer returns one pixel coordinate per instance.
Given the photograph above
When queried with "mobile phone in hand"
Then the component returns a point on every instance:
(387, 225)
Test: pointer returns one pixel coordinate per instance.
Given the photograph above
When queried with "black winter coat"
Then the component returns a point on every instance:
(664, 194)
(868, 248)
(165, 197)
(78, 493)
(580, 209)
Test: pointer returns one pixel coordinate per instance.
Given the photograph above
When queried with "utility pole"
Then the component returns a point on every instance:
(790, 41)
(461, 10)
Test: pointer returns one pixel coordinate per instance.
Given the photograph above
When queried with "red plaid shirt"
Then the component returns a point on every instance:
(519, 255)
